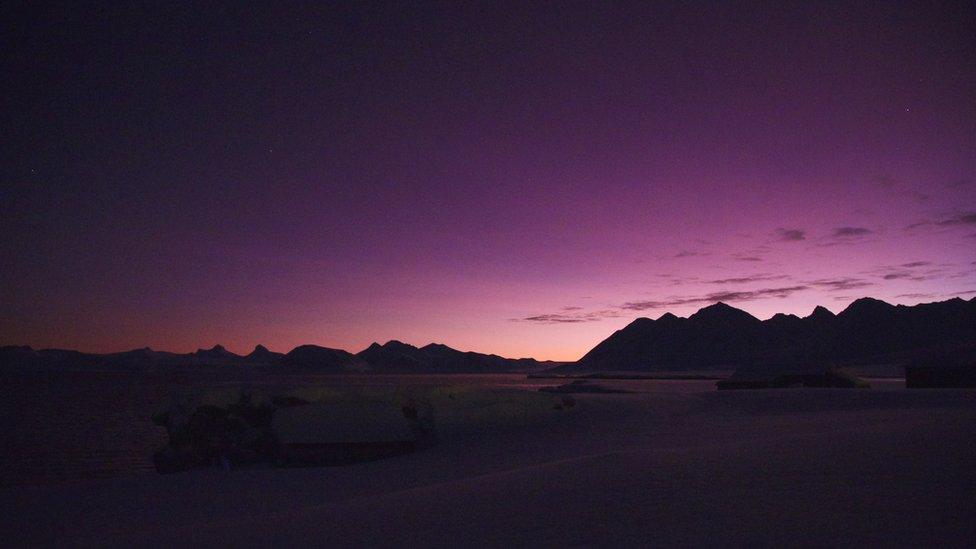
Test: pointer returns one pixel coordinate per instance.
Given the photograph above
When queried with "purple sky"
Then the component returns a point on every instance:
(516, 180)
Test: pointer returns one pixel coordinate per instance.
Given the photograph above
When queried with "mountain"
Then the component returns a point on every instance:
(721, 337)
(261, 355)
(869, 332)
(315, 359)
(391, 357)
(398, 357)
(217, 353)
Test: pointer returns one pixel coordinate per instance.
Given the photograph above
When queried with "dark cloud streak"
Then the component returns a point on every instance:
(850, 232)
(790, 235)
(748, 295)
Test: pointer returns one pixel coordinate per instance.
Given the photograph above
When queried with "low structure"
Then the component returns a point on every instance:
(940, 376)
(340, 433)
(788, 375)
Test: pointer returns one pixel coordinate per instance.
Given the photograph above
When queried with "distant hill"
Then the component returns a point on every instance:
(392, 357)
(315, 359)
(867, 332)
(395, 356)
(718, 337)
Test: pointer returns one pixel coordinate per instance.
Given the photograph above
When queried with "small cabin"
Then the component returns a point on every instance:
(786, 376)
(340, 433)
(940, 376)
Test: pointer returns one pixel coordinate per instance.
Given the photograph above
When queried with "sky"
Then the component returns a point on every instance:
(506, 178)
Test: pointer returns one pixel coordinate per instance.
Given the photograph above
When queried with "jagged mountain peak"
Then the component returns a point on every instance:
(821, 312)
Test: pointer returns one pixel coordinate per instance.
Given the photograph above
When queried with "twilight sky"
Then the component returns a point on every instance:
(517, 180)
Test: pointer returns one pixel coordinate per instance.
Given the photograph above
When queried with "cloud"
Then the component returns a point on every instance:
(844, 236)
(688, 253)
(850, 232)
(885, 181)
(961, 219)
(790, 235)
(570, 318)
(745, 279)
(840, 284)
(572, 308)
(908, 271)
(916, 296)
(756, 253)
(748, 295)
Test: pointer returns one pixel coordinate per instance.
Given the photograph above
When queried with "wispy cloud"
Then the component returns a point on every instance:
(748, 258)
(850, 232)
(841, 236)
(748, 295)
(916, 296)
(570, 317)
(689, 253)
(908, 271)
(790, 235)
(954, 220)
(840, 284)
(747, 279)
(968, 218)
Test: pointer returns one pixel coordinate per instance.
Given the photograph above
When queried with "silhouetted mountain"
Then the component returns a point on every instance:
(262, 355)
(717, 337)
(216, 353)
(393, 357)
(398, 357)
(315, 359)
(869, 331)
(820, 314)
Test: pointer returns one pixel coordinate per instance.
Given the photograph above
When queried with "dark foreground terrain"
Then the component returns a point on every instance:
(654, 467)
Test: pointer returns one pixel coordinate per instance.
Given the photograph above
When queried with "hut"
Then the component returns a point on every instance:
(931, 376)
(340, 433)
(778, 376)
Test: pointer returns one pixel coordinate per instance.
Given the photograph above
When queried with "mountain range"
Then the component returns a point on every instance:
(718, 337)
(391, 357)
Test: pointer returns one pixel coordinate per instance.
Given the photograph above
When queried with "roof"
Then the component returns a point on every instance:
(341, 423)
(768, 372)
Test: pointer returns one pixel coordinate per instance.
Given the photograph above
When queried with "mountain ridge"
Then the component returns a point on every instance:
(718, 337)
(308, 358)
(715, 337)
